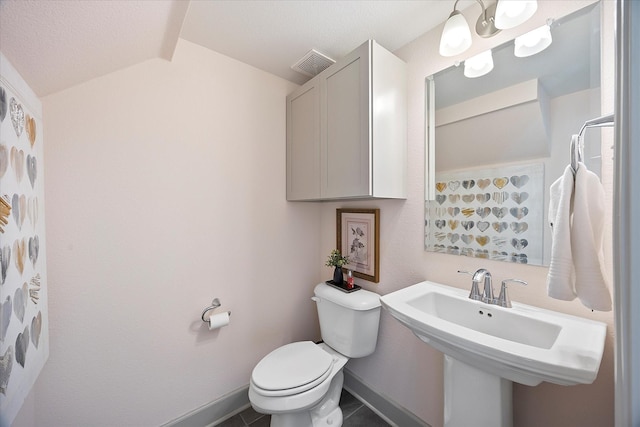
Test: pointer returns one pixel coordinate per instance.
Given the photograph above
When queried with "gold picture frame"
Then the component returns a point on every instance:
(358, 238)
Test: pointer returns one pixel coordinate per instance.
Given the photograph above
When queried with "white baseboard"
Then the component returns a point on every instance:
(219, 410)
(215, 412)
(382, 405)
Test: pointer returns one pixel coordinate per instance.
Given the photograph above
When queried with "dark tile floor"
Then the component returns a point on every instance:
(354, 412)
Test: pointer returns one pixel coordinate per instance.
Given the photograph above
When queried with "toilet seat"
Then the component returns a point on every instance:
(291, 369)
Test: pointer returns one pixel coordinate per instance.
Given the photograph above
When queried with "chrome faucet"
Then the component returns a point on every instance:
(480, 275)
(483, 275)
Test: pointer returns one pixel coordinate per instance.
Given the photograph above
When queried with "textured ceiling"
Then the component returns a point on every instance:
(56, 44)
(273, 35)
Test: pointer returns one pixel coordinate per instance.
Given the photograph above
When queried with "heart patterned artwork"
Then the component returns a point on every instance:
(5, 258)
(6, 363)
(17, 116)
(24, 329)
(20, 302)
(30, 127)
(5, 316)
(4, 159)
(498, 221)
(32, 169)
(3, 104)
(36, 329)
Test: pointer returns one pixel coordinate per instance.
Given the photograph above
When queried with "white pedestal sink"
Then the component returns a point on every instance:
(487, 346)
(474, 397)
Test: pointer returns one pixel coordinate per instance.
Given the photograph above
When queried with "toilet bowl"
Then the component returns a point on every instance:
(300, 383)
(289, 391)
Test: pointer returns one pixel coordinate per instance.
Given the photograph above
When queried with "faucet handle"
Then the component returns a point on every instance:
(475, 291)
(503, 299)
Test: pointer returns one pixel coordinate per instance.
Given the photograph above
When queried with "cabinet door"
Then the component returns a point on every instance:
(345, 148)
(303, 143)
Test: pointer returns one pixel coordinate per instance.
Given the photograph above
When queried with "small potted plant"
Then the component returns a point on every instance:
(337, 261)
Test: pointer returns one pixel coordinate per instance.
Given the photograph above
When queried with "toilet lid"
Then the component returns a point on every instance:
(291, 366)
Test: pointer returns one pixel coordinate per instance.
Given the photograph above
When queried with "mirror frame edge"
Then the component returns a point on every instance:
(430, 134)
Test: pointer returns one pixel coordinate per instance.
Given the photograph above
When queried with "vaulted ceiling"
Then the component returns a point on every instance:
(56, 44)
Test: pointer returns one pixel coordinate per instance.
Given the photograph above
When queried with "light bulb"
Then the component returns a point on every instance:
(456, 36)
(511, 13)
(478, 65)
(533, 42)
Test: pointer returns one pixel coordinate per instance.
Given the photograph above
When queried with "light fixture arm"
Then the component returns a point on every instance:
(485, 25)
(455, 7)
(484, 9)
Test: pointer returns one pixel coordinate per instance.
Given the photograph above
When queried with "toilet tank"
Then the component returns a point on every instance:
(348, 321)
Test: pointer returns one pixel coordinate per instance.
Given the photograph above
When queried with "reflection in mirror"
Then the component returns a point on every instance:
(501, 139)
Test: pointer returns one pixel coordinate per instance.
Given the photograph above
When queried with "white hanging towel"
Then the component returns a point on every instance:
(592, 283)
(560, 280)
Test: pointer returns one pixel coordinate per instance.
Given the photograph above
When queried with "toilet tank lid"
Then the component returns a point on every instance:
(359, 300)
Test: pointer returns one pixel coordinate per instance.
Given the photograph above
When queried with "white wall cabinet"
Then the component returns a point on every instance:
(347, 130)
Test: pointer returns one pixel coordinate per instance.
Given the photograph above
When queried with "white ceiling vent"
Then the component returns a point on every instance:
(312, 63)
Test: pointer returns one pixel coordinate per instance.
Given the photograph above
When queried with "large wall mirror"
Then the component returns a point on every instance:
(501, 139)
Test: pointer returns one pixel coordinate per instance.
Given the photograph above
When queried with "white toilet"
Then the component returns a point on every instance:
(299, 384)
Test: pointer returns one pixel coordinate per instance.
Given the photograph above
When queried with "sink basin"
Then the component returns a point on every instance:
(524, 344)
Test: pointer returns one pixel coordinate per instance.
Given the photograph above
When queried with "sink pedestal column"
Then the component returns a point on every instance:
(475, 398)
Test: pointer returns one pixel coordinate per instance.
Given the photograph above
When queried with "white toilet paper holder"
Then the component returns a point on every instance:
(214, 304)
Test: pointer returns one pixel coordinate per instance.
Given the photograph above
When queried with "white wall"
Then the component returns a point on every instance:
(409, 371)
(166, 188)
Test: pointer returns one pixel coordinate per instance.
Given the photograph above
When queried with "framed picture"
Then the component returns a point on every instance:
(358, 238)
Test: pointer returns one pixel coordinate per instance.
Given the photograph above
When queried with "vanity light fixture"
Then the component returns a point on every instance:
(533, 42)
(456, 35)
(478, 65)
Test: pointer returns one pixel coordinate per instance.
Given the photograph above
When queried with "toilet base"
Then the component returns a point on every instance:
(326, 413)
(333, 419)
(291, 419)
